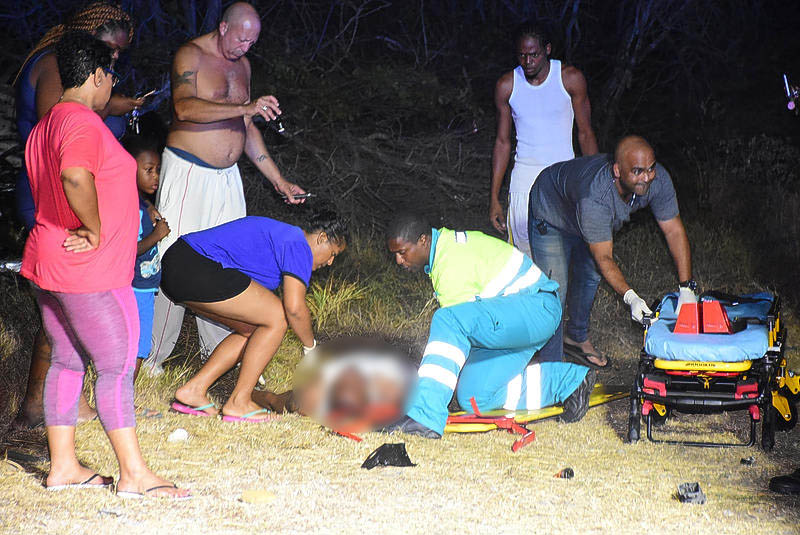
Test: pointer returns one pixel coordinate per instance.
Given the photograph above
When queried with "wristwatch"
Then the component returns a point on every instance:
(691, 284)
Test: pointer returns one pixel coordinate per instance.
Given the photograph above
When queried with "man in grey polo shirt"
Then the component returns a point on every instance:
(574, 209)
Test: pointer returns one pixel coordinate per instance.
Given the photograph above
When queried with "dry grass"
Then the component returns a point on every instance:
(467, 483)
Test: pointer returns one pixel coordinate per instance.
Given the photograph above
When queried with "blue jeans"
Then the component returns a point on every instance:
(567, 260)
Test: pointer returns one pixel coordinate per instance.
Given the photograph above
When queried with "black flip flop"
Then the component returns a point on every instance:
(575, 354)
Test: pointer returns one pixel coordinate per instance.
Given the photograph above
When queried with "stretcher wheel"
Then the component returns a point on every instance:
(768, 429)
(767, 437)
(634, 421)
(780, 423)
(789, 395)
(657, 419)
(634, 430)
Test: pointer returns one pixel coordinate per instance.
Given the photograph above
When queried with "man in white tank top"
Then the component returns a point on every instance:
(543, 98)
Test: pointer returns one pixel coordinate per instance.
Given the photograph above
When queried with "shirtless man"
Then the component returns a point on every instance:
(200, 186)
(543, 97)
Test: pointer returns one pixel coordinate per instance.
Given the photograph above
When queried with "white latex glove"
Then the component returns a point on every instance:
(309, 358)
(638, 306)
(685, 295)
(307, 350)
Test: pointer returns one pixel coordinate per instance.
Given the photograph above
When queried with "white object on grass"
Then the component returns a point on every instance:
(179, 435)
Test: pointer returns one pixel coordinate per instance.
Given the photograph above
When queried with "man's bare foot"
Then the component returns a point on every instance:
(592, 355)
(193, 398)
(31, 415)
(151, 486)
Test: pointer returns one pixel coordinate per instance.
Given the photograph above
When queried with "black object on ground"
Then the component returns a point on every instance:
(388, 455)
(748, 461)
(691, 493)
(566, 473)
(788, 484)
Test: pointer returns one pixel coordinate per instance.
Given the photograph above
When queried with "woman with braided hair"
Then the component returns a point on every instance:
(38, 84)
(38, 88)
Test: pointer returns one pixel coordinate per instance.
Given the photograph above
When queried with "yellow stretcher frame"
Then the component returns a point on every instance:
(706, 366)
(601, 395)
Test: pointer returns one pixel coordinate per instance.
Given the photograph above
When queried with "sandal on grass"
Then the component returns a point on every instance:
(129, 494)
(574, 354)
(103, 483)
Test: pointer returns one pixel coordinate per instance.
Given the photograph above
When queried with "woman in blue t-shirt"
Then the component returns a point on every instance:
(228, 274)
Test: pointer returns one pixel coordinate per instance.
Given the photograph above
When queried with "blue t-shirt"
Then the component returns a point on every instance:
(147, 272)
(262, 248)
(579, 197)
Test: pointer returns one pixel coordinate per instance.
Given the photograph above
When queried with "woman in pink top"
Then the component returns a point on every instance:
(79, 256)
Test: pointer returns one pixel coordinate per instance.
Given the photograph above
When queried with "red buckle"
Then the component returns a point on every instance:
(755, 412)
(502, 422)
(659, 386)
(746, 390)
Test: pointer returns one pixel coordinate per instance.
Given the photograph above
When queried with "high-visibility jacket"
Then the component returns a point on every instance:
(465, 265)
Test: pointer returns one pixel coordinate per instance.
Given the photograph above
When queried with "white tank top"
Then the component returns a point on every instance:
(543, 119)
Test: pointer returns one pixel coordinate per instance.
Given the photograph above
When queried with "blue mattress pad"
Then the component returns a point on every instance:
(749, 344)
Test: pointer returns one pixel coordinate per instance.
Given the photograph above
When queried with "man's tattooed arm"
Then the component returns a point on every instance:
(184, 78)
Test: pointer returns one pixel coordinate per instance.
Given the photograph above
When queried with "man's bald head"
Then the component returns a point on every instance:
(634, 166)
(238, 30)
(240, 13)
(629, 145)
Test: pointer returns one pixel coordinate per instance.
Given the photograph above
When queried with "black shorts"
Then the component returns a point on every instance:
(186, 275)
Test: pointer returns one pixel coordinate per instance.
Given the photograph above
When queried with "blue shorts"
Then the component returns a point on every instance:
(145, 300)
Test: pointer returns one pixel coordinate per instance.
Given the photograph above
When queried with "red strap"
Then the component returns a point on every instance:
(347, 435)
(522, 442)
(474, 406)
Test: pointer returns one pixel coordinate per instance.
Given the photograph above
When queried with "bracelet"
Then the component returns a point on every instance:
(691, 284)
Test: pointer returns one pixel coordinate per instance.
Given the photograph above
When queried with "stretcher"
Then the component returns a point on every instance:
(516, 421)
(741, 369)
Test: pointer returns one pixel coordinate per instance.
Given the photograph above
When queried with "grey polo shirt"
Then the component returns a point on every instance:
(579, 197)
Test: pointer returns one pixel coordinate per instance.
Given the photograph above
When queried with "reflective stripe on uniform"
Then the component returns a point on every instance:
(438, 374)
(528, 279)
(513, 393)
(448, 351)
(533, 384)
(506, 275)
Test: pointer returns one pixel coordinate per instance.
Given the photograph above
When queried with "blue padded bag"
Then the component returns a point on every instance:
(750, 344)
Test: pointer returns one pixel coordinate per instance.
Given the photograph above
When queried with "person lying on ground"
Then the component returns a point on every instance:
(352, 384)
(79, 256)
(575, 208)
(497, 310)
(229, 274)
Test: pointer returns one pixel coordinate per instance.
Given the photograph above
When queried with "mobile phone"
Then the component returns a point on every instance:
(300, 196)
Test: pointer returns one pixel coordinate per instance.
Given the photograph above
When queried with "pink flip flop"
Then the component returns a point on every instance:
(179, 407)
(249, 417)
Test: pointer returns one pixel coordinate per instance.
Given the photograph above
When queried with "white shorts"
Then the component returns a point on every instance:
(192, 197)
(523, 175)
(517, 222)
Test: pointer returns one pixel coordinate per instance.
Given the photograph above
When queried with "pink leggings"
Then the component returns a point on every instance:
(103, 327)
